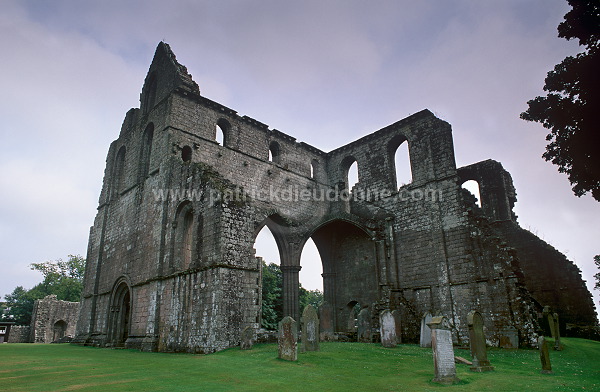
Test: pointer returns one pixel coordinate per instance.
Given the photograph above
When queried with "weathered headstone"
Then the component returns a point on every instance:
(550, 319)
(326, 321)
(398, 320)
(364, 326)
(548, 322)
(310, 330)
(443, 353)
(247, 338)
(544, 356)
(509, 338)
(557, 345)
(287, 339)
(387, 325)
(477, 342)
(425, 339)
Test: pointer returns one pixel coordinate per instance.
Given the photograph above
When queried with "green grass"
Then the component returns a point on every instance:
(337, 367)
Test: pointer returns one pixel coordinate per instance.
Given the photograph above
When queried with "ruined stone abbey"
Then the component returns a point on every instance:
(171, 264)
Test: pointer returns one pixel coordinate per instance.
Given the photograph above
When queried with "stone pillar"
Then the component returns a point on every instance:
(291, 286)
(329, 287)
(443, 352)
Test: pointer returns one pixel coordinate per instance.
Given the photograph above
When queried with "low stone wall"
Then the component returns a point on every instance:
(19, 334)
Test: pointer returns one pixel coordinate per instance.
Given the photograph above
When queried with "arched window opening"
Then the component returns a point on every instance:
(399, 155)
(186, 250)
(146, 150)
(150, 93)
(314, 164)
(184, 237)
(222, 129)
(402, 165)
(352, 175)
(274, 152)
(186, 153)
(472, 187)
(311, 281)
(119, 172)
(272, 278)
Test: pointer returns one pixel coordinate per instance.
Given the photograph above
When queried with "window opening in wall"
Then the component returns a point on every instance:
(186, 153)
(119, 172)
(352, 175)
(188, 221)
(402, 165)
(220, 135)
(473, 187)
(146, 149)
(274, 152)
(150, 94)
(313, 167)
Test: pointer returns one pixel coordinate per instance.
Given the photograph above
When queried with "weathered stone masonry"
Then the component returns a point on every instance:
(179, 273)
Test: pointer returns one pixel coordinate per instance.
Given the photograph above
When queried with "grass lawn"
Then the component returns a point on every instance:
(337, 367)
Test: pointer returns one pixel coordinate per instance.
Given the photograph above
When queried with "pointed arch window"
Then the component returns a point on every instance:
(118, 172)
(274, 152)
(147, 138)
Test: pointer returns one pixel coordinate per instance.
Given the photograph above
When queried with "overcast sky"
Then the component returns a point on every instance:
(325, 72)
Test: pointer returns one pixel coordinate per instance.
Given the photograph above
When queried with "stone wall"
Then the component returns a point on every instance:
(53, 319)
(19, 334)
(171, 264)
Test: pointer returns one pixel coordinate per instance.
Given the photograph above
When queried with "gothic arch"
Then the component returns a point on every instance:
(119, 313)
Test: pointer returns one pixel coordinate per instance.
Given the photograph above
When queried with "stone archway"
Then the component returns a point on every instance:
(120, 315)
(58, 330)
(349, 260)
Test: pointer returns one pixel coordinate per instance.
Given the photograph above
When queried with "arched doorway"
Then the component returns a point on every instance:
(349, 275)
(59, 330)
(120, 314)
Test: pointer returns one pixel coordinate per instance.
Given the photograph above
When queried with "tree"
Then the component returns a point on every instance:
(62, 278)
(597, 275)
(272, 296)
(569, 109)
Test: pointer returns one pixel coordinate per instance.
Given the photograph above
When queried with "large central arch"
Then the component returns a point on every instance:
(349, 275)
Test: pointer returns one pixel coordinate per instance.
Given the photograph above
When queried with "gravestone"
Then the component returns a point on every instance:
(398, 320)
(443, 352)
(387, 326)
(326, 321)
(557, 345)
(364, 326)
(425, 339)
(287, 339)
(477, 342)
(247, 338)
(548, 322)
(544, 356)
(509, 338)
(310, 330)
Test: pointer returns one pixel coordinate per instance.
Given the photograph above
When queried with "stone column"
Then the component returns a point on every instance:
(443, 352)
(291, 285)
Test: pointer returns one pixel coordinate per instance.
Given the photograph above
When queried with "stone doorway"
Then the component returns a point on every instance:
(120, 314)
(59, 330)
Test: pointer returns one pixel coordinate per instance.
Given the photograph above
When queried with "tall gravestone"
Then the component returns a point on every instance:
(544, 356)
(247, 338)
(387, 325)
(443, 352)
(364, 326)
(398, 320)
(557, 345)
(425, 339)
(548, 322)
(477, 342)
(326, 321)
(310, 330)
(287, 339)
